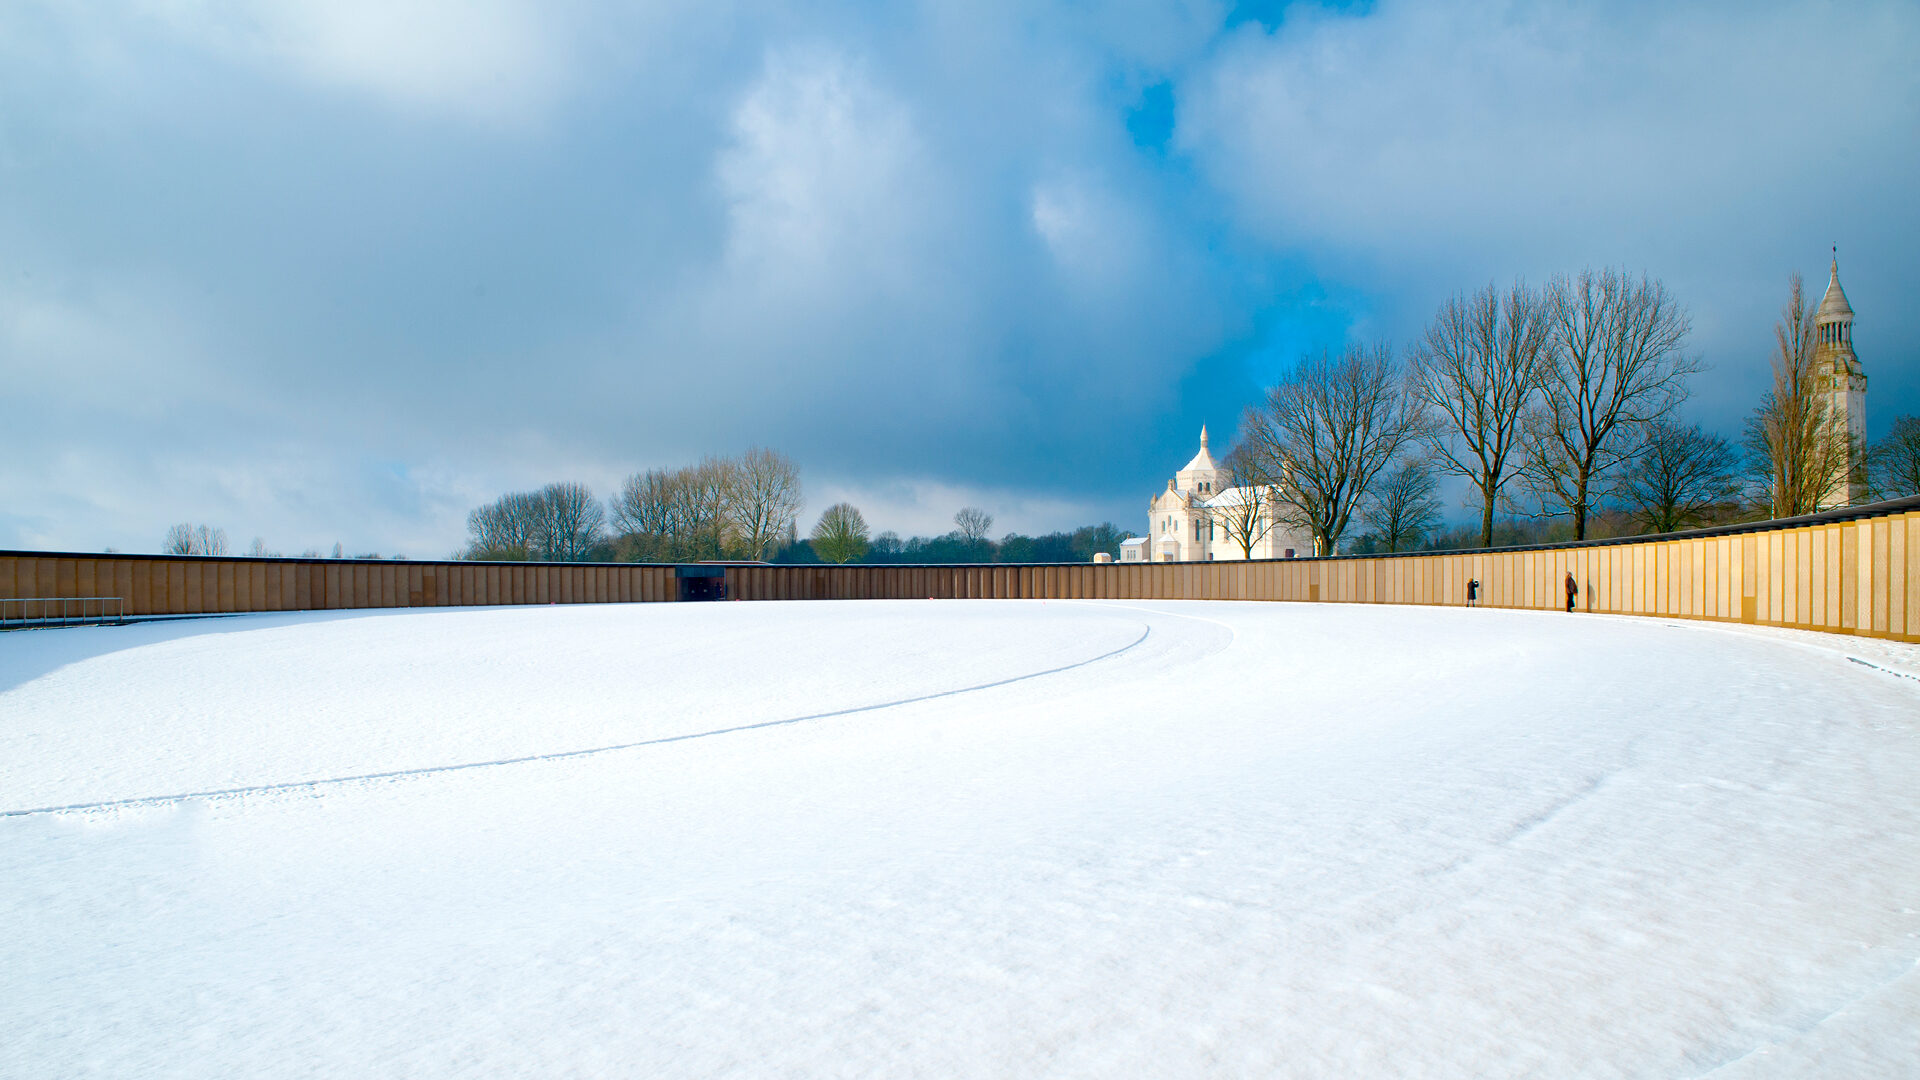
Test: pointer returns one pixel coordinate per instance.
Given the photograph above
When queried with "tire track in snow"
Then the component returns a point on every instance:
(428, 770)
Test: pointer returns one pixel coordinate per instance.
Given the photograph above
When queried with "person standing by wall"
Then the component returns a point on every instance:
(1573, 590)
(1473, 592)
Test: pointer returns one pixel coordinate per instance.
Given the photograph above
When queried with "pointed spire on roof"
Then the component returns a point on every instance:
(1202, 463)
(1834, 303)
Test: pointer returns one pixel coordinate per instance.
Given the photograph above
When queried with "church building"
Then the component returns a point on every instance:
(1185, 522)
(1840, 379)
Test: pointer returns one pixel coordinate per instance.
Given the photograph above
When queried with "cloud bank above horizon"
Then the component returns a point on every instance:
(342, 271)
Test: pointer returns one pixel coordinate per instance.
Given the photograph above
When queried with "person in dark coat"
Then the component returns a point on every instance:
(1573, 590)
(1473, 591)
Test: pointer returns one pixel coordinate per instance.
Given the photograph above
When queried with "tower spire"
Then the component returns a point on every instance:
(1203, 436)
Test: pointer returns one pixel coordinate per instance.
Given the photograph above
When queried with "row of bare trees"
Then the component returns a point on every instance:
(740, 507)
(189, 539)
(559, 523)
(1550, 403)
(1556, 388)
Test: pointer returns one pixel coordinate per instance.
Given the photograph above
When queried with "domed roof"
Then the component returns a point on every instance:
(1834, 304)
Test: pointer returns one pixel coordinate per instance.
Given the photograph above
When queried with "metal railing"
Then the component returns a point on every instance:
(20, 612)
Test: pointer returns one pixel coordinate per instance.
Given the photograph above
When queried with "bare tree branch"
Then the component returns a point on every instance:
(1325, 432)
(186, 539)
(1613, 367)
(1245, 511)
(764, 500)
(569, 521)
(645, 513)
(1478, 367)
(1894, 465)
(1799, 449)
(840, 536)
(973, 523)
(1404, 510)
(1680, 477)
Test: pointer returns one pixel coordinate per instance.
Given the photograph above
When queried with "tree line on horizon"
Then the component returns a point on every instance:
(1558, 407)
(721, 508)
(842, 536)
(187, 538)
(743, 508)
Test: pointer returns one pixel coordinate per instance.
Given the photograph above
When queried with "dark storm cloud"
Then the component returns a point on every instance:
(340, 271)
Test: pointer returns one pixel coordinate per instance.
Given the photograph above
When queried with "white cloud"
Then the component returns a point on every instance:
(841, 270)
(825, 172)
(1092, 234)
(1441, 131)
(485, 60)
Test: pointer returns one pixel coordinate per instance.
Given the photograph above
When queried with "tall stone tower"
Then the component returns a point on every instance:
(1841, 380)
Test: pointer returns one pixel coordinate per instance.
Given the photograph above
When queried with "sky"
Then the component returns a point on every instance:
(325, 271)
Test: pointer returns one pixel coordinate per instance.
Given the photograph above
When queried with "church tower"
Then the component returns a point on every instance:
(1841, 381)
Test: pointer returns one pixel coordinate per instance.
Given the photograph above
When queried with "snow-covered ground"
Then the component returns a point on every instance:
(957, 838)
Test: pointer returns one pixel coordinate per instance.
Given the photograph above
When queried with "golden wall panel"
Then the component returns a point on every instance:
(1851, 577)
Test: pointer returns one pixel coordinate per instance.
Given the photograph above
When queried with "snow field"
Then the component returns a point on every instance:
(1192, 839)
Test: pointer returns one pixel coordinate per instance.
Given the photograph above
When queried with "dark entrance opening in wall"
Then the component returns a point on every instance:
(701, 582)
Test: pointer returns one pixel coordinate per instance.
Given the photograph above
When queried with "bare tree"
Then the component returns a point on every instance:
(1894, 464)
(741, 506)
(568, 521)
(1799, 449)
(1325, 432)
(507, 529)
(705, 493)
(973, 523)
(1403, 509)
(1679, 477)
(186, 539)
(841, 534)
(722, 506)
(1478, 367)
(1245, 511)
(645, 503)
(764, 500)
(1614, 365)
(645, 512)
(561, 522)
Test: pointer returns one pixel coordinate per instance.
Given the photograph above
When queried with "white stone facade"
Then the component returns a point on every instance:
(1183, 522)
